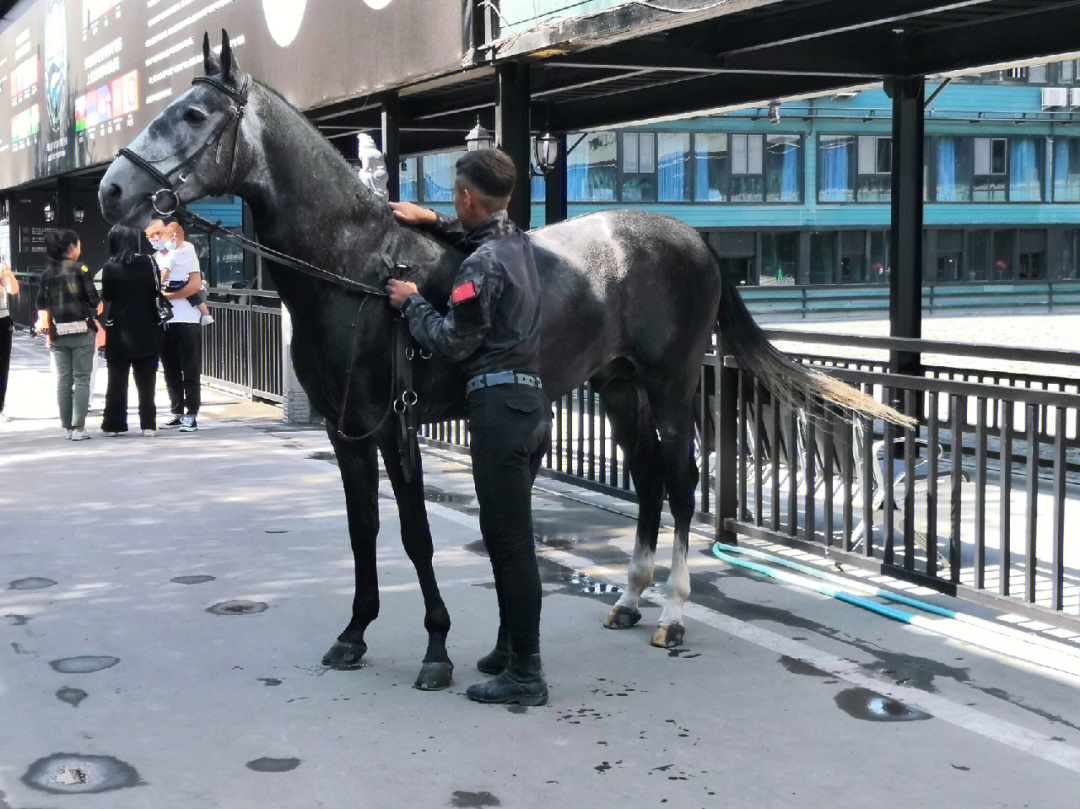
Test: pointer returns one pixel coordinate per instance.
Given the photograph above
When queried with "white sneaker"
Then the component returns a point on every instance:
(206, 320)
(109, 434)
(4, 418)
(66, 431)
(79, 435)
(149, 433)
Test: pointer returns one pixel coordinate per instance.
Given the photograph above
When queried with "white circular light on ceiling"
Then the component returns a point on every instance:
(283, 18)
(377, 4)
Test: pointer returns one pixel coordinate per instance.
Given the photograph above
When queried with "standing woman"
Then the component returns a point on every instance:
(9, 285)
(67, 306)
(129, 285)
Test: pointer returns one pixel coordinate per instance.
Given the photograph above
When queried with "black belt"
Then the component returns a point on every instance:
(501, 378)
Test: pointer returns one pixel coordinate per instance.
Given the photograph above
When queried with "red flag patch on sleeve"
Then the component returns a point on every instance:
(464, 292)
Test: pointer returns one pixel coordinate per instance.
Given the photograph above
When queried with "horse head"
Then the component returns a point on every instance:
(194, 148)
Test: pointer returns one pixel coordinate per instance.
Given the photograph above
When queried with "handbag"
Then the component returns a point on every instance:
(162, 307)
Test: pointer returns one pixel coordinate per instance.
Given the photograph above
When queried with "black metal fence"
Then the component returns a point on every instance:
(242, 348)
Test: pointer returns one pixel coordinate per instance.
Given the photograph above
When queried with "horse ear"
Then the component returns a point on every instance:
(211, 65)
(228, 63)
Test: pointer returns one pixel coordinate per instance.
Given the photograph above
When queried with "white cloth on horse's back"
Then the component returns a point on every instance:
(183, 261)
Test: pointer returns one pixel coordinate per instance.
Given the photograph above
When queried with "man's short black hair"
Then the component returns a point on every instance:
(489, 171)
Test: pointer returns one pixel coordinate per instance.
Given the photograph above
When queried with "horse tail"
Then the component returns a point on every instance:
(791, 382)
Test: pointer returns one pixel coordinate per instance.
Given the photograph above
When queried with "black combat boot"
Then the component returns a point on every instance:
(496, 660)
(522, 681)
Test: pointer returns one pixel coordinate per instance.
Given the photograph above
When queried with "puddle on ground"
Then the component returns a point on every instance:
(473, 800)
(437, 495)
(237, 607)
(276, 531)
(683, 652)
(72, 696)
(269, 680)
(323, 456)
(31, 583)
(273, 764)
(71, 773)
(17, 620)
(799, 667)
(192, 579)
(87, 664)
(870, 706)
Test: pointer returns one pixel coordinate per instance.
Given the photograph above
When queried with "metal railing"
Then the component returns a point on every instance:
(242, 348)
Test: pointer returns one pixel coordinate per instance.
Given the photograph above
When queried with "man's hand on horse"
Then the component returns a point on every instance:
(409, 213)
(399, 291)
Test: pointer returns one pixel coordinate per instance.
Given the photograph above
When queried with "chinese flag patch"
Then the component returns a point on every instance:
(465, 292)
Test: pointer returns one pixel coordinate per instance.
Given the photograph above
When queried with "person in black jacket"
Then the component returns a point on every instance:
(129, 283)
(492, 330)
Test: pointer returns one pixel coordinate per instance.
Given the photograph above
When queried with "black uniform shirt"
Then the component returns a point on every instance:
(494, 318)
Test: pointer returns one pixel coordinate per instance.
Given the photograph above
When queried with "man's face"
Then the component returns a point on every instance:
(155, 233)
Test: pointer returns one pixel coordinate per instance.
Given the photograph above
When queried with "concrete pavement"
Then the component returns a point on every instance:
(166, 601)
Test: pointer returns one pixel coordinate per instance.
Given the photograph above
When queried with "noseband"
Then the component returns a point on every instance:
(165, 200)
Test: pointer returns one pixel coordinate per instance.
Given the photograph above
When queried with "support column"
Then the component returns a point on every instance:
(295, 403)
(555, 188)
(512, 134)
(906, 278)
(390, 127)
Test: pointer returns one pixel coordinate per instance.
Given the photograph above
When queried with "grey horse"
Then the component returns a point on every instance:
(630, 301)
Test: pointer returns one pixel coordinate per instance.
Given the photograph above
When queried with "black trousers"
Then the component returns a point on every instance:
(7, 327)
(116, 393)
(510, 430)
(181, 363)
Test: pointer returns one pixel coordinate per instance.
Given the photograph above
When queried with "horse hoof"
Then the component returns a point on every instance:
(435, 676)
(668, 636)
(345, 656)
(622, 618)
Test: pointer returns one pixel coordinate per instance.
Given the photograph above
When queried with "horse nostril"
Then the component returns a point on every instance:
(113, 191)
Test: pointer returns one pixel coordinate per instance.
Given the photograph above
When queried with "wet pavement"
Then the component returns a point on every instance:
(166, 603)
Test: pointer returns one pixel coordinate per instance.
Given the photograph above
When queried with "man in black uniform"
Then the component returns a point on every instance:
(493, 331)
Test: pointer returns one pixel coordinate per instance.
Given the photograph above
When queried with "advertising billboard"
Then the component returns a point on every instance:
(79, 78)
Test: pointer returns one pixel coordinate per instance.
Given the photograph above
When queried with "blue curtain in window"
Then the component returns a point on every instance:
(577, 181)
(946, 171)
(1024, 184)
(539, 188)
(834, 156)
(1061, 170)
(789, 181)
(439, 173)
(671, 168)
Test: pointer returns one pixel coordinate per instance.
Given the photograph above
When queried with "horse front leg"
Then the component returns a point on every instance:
(359, 467)
(436, 671)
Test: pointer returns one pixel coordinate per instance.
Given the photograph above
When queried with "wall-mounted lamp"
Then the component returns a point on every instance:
(546, 152)
(478, 138)
(49, 211)
(774, 112)
(78, 213)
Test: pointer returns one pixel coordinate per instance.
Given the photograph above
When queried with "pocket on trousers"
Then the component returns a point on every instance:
(522, 404)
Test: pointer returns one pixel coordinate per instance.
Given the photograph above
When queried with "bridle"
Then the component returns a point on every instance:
(166, 202)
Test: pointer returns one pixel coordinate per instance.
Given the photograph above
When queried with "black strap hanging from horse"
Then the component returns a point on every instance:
(405, 399)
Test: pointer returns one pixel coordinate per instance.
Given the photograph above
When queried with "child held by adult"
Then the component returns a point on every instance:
(183, 261)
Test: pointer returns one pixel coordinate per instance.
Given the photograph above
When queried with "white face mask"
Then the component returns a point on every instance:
(158, 245)
(170, 245)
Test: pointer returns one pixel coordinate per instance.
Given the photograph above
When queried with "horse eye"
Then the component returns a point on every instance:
(193, 115)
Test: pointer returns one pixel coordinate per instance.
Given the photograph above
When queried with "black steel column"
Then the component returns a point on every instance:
(512, 133)
(390, 128)
(555, 188)
(906, 278)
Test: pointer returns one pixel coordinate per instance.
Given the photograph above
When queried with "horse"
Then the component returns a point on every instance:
(630, 302)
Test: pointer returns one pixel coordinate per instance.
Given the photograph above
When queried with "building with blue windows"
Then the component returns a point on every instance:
(799, 193)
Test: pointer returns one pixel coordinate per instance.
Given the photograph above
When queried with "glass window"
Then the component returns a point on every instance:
(880, 257)
(1037, 74)
(1067, 170)
(407, 178)
(950, 255)
(1026, 169)
(439, 174)
(835, 164)
(737, 251)
(1067, 71)
(711, 161)
(779, 258)
(672, 166)
(823, 258)
(227, 265)
(783, 176)
(591, 168)
(875, 169)
(953, 163)
(639, 167)
(988, 183)
(853, 257)
(1031, 259)
(1071, 268)
(747, 160)
(1004, 246)
(978, 255)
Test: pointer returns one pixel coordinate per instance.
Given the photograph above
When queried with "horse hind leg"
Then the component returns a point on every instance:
(680, 478)
(628, 411)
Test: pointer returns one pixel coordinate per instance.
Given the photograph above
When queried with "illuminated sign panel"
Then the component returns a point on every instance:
(80, 78)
